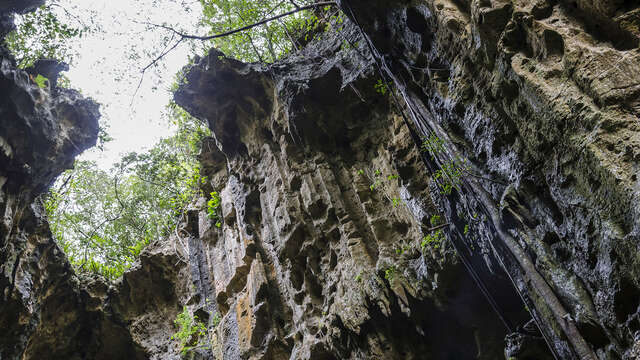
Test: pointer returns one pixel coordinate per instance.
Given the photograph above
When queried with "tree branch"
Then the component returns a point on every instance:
(155, 61)
(251, 26)
(184, 36)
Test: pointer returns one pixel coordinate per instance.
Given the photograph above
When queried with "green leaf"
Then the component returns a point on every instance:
(41, 81)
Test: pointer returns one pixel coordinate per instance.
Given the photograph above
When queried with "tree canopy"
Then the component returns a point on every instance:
(43, 34)
(103, 218)
(265, 43)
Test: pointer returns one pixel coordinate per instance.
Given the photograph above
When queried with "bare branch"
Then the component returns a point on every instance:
(184, 36)
(244, 28)
(437, 227)
(155, 61)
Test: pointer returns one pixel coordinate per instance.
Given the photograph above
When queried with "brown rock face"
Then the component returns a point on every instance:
(542, 97)
(325, 204)
(543, 107)
(337, 240)
(47, 312)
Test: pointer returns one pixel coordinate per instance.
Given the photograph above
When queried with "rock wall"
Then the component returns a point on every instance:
(541, 106)
(47, 311)
(339, 238)
(542, 98)
(325, 203)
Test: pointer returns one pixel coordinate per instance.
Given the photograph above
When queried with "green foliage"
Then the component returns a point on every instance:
(267, 42)
(466, 229)
(41, 81)
(213, 206)
(44, 33)
(216, 319)
(375, 184)
(402, 249)
(103, 137)
(378, 180)
(449, 176)
(433, 240)
(191, 333)
(381, 87)
(358, 277)
(103, 219)
(433, 145)
(390, 272)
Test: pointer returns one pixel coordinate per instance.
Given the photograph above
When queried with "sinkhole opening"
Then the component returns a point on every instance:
(130, 57)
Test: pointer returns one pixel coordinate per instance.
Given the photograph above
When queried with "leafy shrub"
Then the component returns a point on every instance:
(213, 206)
(389, 272)
(433, 240)
(191, 333)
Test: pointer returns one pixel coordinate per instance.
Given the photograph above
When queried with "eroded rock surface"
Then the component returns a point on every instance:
(327, 247)
(542, 98)
(325, 203)
(47, 312)
(541, 104)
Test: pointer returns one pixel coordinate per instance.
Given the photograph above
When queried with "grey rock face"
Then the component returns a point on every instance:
(326, 248)
(544, 105)
(325, 205)
(47, 312)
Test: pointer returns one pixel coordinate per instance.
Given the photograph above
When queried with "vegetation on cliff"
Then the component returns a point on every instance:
(103, 218)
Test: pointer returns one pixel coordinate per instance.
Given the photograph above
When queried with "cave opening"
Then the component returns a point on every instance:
(299, 179)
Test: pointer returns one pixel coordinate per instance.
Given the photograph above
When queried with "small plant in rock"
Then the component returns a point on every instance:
(359, 277)
(390, 272)
(213, 206)
(41, 81)
(381, 87)
(191, 333)
(385, 182)
(216, 319)
(403, 249)
(433, 240)
(433, 145)
(449, 176)
(375, 184)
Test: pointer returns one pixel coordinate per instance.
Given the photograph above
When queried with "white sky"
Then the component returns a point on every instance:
(108, 69)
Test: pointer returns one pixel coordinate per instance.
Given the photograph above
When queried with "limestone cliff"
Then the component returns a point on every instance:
(543, 99)
(339, 237)
(47, 312)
